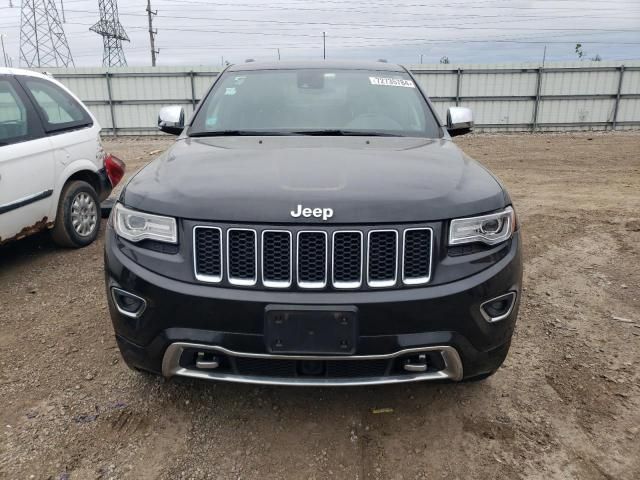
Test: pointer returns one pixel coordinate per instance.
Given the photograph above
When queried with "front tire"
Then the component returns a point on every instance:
(78, 217)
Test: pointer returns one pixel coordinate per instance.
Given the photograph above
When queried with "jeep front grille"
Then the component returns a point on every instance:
(416, 266)
(207, 242)
(382, 266)
(333, 258)
(312, 259)
(347, 259)
(277, 258)
(242, 256)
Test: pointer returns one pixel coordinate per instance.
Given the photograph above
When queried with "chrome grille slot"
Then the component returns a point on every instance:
(207, 247)
(277, 258)
(312, 259)
(347, 259)
(382, 263)
(416, 260)
(242, 256)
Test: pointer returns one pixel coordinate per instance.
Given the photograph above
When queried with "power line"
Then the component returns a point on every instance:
(287, 6)
(308, 35)
(458, 26)
(456, 14)
(459, 40)
(393, 41)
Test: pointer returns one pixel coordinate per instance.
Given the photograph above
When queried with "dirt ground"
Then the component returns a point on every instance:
(566, 405)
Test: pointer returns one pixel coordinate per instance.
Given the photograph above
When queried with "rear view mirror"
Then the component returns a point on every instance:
(171, 119)
(311, 79)
(459, 121)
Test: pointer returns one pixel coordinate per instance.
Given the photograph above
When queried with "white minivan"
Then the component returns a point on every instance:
(53, 170)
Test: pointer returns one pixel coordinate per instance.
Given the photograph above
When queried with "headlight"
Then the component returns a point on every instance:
(136, 226)
(490, 229)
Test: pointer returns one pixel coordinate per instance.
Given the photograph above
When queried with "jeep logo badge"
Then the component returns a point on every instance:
(324, 213)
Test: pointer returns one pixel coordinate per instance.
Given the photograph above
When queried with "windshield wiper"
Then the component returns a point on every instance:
(235, 133)
(319, 133)
(354, 133)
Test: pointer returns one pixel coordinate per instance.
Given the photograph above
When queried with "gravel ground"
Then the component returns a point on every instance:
(566, 405)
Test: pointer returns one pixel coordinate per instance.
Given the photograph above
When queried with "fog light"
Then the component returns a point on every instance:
(127, 303)
(498, 308)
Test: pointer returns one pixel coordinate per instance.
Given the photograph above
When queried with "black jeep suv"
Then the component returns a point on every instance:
(314, 224)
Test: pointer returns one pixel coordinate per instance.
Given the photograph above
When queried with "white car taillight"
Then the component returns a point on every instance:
(115, 168)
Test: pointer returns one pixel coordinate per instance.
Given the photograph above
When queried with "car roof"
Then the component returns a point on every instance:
(327, 64)
(21, 71)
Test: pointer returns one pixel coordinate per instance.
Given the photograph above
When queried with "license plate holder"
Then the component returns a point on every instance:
(306, 330)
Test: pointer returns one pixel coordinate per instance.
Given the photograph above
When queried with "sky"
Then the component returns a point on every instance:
(199, 32)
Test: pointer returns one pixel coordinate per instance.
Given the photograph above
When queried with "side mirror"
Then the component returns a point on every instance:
(459, 121)
(171, 119)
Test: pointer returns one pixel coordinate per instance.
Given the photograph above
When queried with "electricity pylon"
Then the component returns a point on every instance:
(42, 39)
(113, 34)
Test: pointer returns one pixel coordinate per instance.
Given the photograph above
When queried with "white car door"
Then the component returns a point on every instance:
(27, 169)
(73, 132)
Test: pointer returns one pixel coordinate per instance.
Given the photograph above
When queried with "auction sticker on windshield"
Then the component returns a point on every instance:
(391, 82)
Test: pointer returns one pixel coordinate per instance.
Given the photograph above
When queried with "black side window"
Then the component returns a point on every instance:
(59, 110)
(14, 118)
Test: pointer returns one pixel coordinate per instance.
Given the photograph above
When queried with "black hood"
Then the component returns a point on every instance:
(364, 180)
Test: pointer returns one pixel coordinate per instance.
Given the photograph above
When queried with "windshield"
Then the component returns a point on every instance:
(315, 102)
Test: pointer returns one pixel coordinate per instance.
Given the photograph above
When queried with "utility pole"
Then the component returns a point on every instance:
(4, 54)
(278, 54)
(43, 42)
(152, 33)
(421, 58)
(324, 45)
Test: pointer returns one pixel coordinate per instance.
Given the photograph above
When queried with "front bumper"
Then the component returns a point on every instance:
(173, 364)
(442, 322)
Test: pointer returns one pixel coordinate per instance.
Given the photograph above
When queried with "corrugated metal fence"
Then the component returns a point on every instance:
(515, 97)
